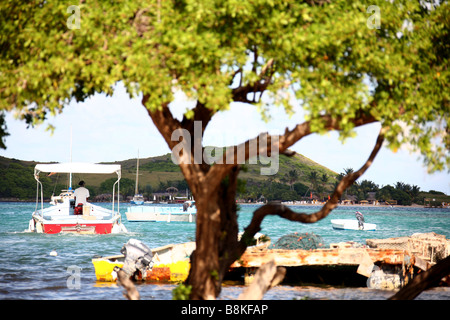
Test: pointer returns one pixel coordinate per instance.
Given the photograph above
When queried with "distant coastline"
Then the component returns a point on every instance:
(287, 203)
(414, 205)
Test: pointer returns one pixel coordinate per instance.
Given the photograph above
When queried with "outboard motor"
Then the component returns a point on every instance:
(137, 257)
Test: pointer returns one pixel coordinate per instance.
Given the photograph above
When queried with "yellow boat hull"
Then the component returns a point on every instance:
(172, 272)
(171, 264)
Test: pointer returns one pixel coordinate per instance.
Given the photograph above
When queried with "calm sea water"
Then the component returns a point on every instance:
(27, 271)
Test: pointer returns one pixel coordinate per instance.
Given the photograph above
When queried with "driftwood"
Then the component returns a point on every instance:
(267, 276)
(424, 281)
(124, 280)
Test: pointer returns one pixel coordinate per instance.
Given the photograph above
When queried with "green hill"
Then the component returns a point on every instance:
(156, 174)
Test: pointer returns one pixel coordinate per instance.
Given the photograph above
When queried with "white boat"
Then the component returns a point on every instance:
(64, 217)
(349, 224)
(138, 199)
(185, 213)
(65, 195)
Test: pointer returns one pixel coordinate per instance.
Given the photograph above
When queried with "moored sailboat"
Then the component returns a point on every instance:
(137, 198)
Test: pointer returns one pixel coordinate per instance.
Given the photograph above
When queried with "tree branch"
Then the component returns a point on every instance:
(286, 213)
(240, 93)
(264, 146)
(167, 125)
(163, 120)
(201, 113)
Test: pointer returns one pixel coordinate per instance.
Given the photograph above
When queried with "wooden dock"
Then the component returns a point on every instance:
(335, 256)
(382, 264)
(352, 267)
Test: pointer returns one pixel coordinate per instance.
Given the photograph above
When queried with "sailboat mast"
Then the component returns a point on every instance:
(70, 174)
(137, 174)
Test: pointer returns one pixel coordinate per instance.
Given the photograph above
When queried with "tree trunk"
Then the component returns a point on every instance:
(217, 231)
(203, 276)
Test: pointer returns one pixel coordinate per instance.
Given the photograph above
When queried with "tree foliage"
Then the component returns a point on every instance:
(343, 71)
(390, 193)
(324, 54)
(254, 191)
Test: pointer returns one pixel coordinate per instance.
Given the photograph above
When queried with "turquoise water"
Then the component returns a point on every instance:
(27, 271)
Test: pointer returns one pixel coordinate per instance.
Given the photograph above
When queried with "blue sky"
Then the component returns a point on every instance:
(107, 129)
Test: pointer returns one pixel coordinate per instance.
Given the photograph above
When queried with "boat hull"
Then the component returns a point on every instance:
(61, 219)
(172, 272)
(171, 264)
(160, 214)
(347, 224)
(79, 227)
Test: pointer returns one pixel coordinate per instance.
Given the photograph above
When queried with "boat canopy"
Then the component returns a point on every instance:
(78, 167)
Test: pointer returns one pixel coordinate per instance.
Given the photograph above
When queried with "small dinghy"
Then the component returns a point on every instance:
(348, 224)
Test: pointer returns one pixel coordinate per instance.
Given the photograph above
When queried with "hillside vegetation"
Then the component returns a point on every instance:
(156, 174)
(298, 178)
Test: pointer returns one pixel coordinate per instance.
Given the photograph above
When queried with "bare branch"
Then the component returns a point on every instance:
(141, 21)
(286, 213)
(240, 93)
(330, 123)
(290, 137)
(238, 71)
(167, 125)
(201, 113)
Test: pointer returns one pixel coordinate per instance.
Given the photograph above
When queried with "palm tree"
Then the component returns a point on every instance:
(324, 180)
(415, 190)
(407, 189)
(353, 189)
(313, 177)
(400, 186)
(293, 177)
(348, 171)
(269, 182)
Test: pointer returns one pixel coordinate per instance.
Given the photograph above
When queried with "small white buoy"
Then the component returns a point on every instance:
(53, 253)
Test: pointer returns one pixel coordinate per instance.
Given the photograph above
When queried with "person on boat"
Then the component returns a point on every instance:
(360, 218)
(81, 194)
